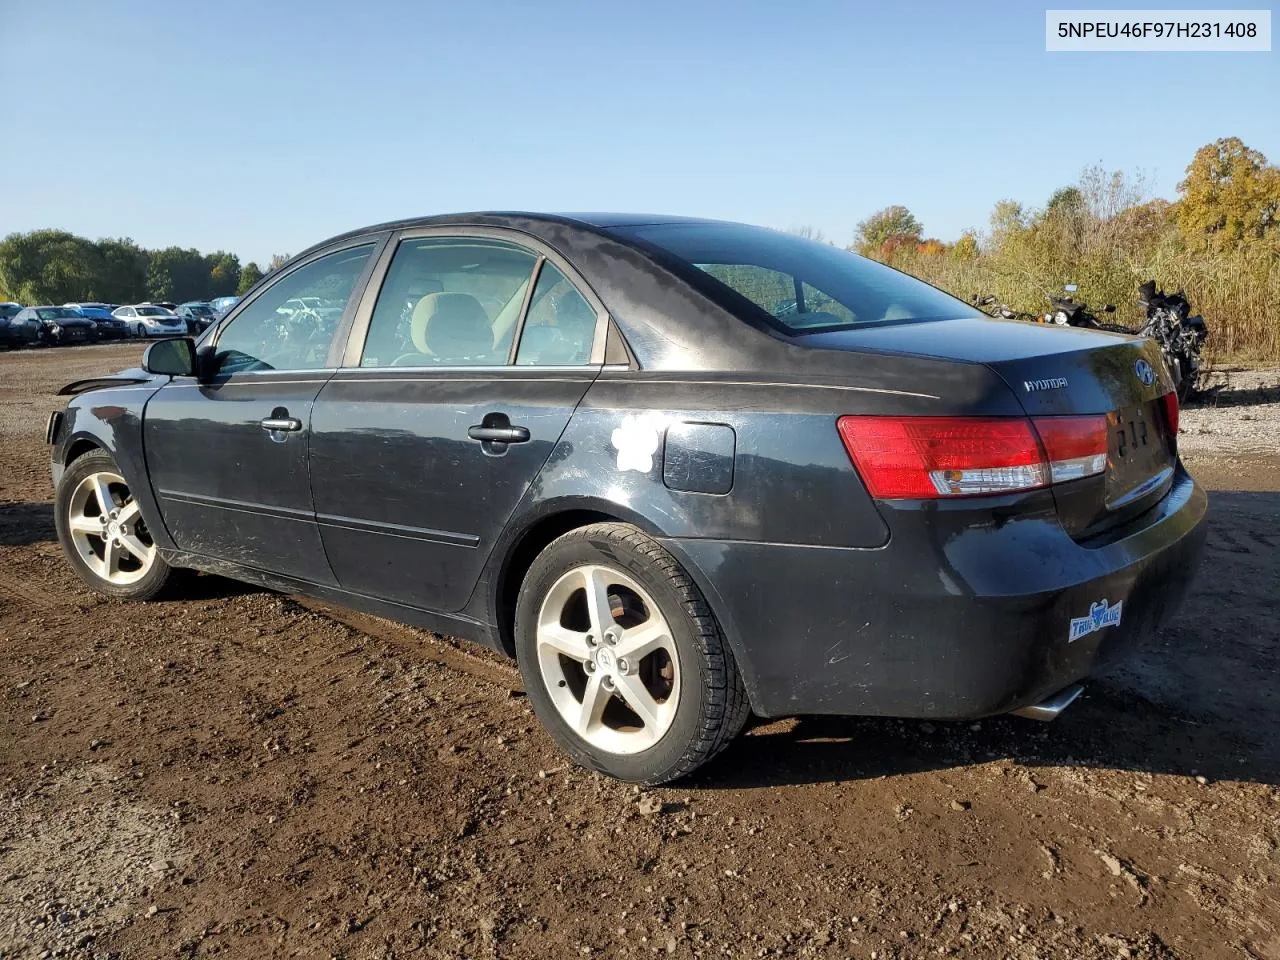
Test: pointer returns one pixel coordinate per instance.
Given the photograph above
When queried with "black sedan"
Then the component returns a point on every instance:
(59, 325)
(681, 470)
(15, 333)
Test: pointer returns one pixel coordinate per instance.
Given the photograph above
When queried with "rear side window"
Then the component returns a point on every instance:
(560, 327)
(449, 302)
(798, 286)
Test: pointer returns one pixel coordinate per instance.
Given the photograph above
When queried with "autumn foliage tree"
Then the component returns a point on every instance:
(892, 226)
(1230, 196)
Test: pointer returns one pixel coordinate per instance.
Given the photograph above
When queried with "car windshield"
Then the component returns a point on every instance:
(801, 285)
(153, 312)
(57, 313)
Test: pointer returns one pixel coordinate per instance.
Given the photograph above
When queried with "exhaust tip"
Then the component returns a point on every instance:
(1052, 705)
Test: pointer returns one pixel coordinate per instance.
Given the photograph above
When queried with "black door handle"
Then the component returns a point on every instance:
(499, 434)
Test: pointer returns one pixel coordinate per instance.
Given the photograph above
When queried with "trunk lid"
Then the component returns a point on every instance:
(1062, 371)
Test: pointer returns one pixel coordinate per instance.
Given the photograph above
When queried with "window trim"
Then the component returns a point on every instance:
(538, 248)
(378, 242)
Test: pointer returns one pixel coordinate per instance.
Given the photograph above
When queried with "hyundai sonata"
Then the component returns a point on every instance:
(680, 470)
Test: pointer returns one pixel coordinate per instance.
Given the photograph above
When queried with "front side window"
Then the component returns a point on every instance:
(448, 302)
(560, 327)
(291, 324)
(801, 285)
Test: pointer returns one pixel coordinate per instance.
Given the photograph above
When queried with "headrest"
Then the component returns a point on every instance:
(452, 326)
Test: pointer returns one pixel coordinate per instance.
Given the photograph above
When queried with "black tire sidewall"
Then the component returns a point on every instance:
(650, 765)
(81, 467)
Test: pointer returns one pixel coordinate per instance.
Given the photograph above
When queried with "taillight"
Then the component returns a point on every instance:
(922, 458)
(1074, 447)
(1170, 403)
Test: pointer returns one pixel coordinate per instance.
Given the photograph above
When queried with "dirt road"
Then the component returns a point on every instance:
(235, 773)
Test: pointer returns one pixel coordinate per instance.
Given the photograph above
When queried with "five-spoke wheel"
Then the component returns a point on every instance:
(103, 533)
(622, 659)
(108, 530)
(607, 658)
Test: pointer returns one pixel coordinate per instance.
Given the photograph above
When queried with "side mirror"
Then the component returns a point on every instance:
(176, 357)
(1109, 308)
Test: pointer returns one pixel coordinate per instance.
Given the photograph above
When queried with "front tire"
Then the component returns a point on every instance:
(622, 658)
(140, 330)
(102, 533)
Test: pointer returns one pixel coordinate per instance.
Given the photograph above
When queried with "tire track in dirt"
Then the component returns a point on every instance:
(420, 645)
(23, 593)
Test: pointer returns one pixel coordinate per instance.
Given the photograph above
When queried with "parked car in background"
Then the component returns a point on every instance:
(220, 305)
(15, 332)
(681, 470)
(151, 320)
(60, 325)
(197, 314)
(109, 328)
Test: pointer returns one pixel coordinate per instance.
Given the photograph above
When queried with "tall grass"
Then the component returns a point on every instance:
(1237, 293)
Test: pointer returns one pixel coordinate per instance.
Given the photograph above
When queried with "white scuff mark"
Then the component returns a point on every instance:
(638, 439)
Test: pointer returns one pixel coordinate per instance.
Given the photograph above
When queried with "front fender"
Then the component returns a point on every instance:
(111, 420)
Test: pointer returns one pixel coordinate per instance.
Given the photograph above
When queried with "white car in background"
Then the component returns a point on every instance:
(148, 320)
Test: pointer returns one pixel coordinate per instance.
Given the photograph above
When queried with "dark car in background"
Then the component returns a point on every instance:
(681, 470)
(60, 325)
(108, 327)
(16, 333)
(197, 314)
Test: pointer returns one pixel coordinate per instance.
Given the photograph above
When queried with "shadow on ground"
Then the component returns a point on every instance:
(22, 524)
(1200, 699)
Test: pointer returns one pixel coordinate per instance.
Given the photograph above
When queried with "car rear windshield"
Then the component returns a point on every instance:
(802, 286)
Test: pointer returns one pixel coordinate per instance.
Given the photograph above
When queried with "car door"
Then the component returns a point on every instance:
(427, 438)
(227, 453)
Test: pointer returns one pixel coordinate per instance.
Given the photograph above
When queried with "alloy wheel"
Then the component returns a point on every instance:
(608, 660)
(108, 531)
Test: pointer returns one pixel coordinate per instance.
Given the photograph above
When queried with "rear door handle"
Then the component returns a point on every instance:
(289, 424)
(499, 434)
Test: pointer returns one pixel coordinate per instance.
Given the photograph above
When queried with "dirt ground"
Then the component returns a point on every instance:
(235, 773)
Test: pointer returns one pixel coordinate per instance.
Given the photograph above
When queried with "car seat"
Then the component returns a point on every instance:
(449, 328)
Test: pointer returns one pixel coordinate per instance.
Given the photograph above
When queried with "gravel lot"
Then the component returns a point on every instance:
(236, 772)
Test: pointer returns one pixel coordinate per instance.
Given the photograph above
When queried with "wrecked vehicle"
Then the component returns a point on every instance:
(681, 470)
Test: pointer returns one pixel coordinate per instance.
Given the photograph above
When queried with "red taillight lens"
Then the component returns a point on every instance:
(922, 458)
(928, 457)
(1075, 446)
(1170, 403)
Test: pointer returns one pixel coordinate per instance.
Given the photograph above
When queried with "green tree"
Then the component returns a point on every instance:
(1230, 196)
(224, 274)
(124, 271)
(250, 275)
(895, 224)
(49, 266)
(278, 260)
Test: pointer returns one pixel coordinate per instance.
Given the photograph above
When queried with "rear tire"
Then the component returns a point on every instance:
(102, 532)
(622, 658)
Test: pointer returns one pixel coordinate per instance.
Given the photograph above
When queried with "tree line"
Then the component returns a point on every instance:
(1219, 241)
(54, 266)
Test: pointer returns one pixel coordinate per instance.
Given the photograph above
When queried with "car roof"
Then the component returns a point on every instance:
(595, 222)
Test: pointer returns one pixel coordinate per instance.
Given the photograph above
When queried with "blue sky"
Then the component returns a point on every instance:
(262, 127)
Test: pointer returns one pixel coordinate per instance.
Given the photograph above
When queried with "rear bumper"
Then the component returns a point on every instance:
(963, 614)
